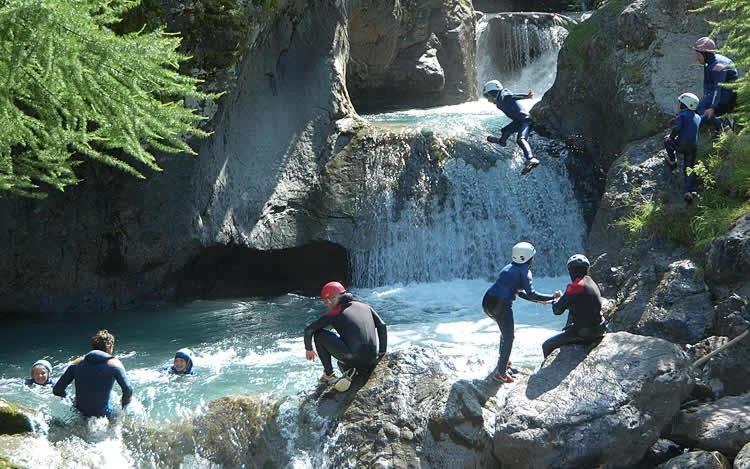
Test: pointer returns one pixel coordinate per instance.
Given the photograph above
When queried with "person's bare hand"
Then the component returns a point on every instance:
(310, 355)
(531, 93)
(557, 294)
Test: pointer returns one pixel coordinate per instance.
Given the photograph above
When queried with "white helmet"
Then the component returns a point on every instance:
(689, 100)
(522, 253)
(492, 85)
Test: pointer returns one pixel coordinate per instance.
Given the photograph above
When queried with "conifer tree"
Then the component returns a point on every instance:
(71, 89)
(735, 23)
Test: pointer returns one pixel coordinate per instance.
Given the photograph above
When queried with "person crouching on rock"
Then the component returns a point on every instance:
(183, 363)
(514, 279)
(95, 375)
(361, 341)
(41, 371)
(507, 101)
(684, 140)
(584, 301)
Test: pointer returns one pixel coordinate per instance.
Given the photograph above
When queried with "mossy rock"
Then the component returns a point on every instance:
(15, 418)
(6, 464)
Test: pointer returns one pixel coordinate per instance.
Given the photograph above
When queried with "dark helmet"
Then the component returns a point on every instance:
(578, 266)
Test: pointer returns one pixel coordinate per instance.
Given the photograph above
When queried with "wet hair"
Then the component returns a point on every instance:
(104, 341)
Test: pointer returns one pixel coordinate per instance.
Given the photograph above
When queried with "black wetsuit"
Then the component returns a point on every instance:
(362, 335)
(585, 322)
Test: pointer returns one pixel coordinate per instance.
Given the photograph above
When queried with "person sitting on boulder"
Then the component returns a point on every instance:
(514, 279)
(582, 298)
(361, 341)
(94, 375)
(684, 140)
(183, 363)
(717, 100)
(41, 371)
(520, 124)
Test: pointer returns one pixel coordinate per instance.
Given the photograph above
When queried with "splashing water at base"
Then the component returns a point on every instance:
(252, 346)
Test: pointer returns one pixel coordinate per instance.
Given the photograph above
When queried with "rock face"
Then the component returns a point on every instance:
(742, 461)
(729, 255)
(727, 373)
(410, 53)
(723, 425)
(15, 419)
(584, 410)
(697, 460)
(622, 69)
(659, 291)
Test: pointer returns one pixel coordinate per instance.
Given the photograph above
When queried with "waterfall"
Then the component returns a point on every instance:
(441, 203)
(520, 50)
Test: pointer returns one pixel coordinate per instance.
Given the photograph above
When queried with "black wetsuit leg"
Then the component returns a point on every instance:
(328, 344)
(503, 316)
(567, 337)
(689, 152)
(508, 130)
(524, 127)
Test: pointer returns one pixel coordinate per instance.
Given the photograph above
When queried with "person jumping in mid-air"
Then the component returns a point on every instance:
(507, 101)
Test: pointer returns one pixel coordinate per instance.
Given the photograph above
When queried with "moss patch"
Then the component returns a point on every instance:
(14, 419)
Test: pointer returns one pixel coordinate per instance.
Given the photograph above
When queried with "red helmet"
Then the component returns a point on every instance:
(331, 289)
(705, 44)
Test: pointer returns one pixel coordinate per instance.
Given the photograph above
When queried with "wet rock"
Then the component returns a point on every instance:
(586, 408)
(661, 451)
(410, 53)
(742, 461)
(658, 290)
(732, 317)
(15, 418)
(727, 372)
(698, 460)
(729, 255)
(634, 28)
(622, 69)
(723, 425)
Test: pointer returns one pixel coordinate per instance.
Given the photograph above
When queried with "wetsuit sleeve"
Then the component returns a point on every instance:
(323, 321)
(562, 303)
(528, 292)
(519, 97)
(122, 380)
(382, 332)
(718, 75)
(64, 382)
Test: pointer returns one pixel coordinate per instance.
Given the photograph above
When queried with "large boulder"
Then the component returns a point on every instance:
(607, 406)
(410, 53)
(659, 291)
(15, 418)
(723, 425)
(622, 69)
(729, 255)
(732, 316)
(697, 460)
(727, 372)
(742, 461)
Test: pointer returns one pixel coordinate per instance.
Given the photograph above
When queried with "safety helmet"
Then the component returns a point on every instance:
(705, 44)
(522, 252)
(492, 85)
(578, 261)
(331, 289)
(689, 100)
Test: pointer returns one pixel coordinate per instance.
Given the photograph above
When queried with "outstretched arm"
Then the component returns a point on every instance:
(529, 294)
(64, 382)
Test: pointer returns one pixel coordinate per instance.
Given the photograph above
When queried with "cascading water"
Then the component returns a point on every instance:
(444, 208)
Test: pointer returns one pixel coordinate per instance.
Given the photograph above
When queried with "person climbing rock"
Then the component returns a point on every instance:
(520, 124)
(94, 375)
(182, 363)
(717, 100)
(585, 323)
(514, 279)
(683, 139)
(362, 336)
(40, 372)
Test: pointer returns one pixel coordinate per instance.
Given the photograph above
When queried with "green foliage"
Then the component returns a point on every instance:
(735, 24)
(725, 173)
(74, 90)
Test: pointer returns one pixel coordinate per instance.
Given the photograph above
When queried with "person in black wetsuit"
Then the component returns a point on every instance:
(582, 297)
(361, 341)
(514, 280)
